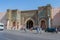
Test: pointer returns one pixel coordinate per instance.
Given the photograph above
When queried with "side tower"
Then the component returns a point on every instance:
(44, 16)
(13, 19)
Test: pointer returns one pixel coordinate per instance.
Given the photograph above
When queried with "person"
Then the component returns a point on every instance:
(24, 28)
(40, 30)
(37, 29)
(56, 30)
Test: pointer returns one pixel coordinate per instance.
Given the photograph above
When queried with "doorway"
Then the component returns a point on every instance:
(43, 25)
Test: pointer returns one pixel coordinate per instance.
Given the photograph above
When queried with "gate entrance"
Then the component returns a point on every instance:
(29, 24)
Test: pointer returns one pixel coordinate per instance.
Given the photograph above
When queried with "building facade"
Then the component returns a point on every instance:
(31, 18)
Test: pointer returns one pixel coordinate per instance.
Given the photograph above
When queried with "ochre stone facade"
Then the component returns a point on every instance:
(31, 18)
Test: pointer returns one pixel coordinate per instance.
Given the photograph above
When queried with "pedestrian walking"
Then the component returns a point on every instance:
(37, 29)
(56, 30)
(40, 30)
(24, 29)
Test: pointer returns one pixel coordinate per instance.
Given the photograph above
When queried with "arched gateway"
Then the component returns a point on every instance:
(29, 24)
(43, 24)
(29, 18)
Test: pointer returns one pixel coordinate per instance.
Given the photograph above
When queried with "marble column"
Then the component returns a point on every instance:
(49, 22)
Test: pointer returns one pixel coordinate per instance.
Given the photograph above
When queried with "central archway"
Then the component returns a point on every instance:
(29, 24)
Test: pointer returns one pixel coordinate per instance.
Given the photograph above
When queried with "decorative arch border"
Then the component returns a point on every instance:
(41, 20)
(31, 20)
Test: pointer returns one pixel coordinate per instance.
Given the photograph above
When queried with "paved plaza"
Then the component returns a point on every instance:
(21, 35)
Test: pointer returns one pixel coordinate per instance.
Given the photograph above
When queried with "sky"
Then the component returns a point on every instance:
(26, 4)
